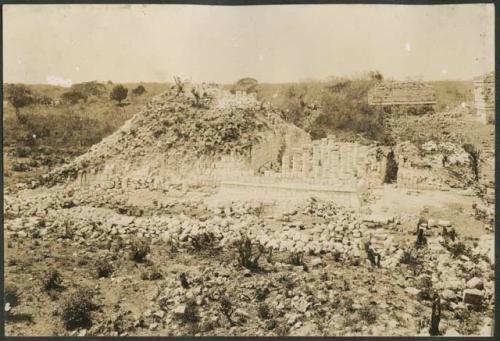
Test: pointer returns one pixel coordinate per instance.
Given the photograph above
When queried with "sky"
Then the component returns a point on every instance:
(65, 44)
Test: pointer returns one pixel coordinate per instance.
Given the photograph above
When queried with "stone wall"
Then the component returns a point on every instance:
(484, 98)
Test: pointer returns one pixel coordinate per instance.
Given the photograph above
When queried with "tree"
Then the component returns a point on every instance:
(73, 96)
(119, 93)
(139, 90)
(19, 96)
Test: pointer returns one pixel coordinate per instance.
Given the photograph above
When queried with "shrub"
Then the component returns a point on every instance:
(368, 314)
(88, 89)
(73, 97)
(52, 280)
(19, 96)
(151, 274)
(119, 93)
(77, 309)
(245, 253)
(139, 90)
(191, 313)
(22, 152)
(262, 293)
(11, 295)
(296, 258)
(184, 281)
(282, 329)
(468, 321)
(103, 268)
(203, 241)
(20, 167)
(226, 307)
(263, 311)
(458, 249)
(271, 324)
(411, 257)
(139, 250)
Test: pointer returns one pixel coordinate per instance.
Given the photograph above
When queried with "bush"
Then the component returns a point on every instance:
(11, 295)
(52, 280)
(191, 313)
(203, 241)
(77, 309)
(261, 294)
(368, 314)
(139, 250)
(411, 257)
(19, 96)
(20, 167)
(458, 249)
(226, 307)
(88, 89)
(151, 274)
(139, 90)
(263, 311)
(22, 152)
(73, 97)
(119, 93)
(296, 258)
(184, 281)
(246, 258)
(103, 268)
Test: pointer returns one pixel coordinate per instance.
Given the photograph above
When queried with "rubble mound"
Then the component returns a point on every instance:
(177, 128)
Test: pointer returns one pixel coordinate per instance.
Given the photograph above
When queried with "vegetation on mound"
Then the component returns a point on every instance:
(343, 104)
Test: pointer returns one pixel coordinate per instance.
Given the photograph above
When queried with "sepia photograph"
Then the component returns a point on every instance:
(251, 170)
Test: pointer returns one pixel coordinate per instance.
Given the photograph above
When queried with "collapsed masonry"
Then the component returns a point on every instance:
(211, 136)
(484, 98)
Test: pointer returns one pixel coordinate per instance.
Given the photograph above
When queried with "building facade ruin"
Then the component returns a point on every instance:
(412, 97)
(484, 98)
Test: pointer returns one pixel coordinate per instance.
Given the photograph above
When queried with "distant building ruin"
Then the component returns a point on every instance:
(484, 98)
(413, 97)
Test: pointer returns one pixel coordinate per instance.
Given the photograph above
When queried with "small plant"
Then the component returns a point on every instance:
(103, 268)
(263, 311)
(282, 329)
(191, 313)
(139, 250)
(368, 314)
(11, 295)
(296, 258)
(348, 305)
(77, 309)
(426, 290)
(289, 285)
(203, 241)
(458, 249)
(52, 280)
(184, 281)
(262, 293)
(245, 253)
(22, 152)
(227, 308)
(271, 324)
(151, 274)
(411, 258)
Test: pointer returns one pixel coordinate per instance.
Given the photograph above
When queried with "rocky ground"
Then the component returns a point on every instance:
(188, 280)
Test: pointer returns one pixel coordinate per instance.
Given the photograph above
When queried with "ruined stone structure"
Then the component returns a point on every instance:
(402, 93)
(484, 98)
(323, 167)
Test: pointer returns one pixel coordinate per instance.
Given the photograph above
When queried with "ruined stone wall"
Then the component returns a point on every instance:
(484, 98)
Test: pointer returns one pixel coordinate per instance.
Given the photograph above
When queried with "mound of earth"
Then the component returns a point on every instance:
(177, 130)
